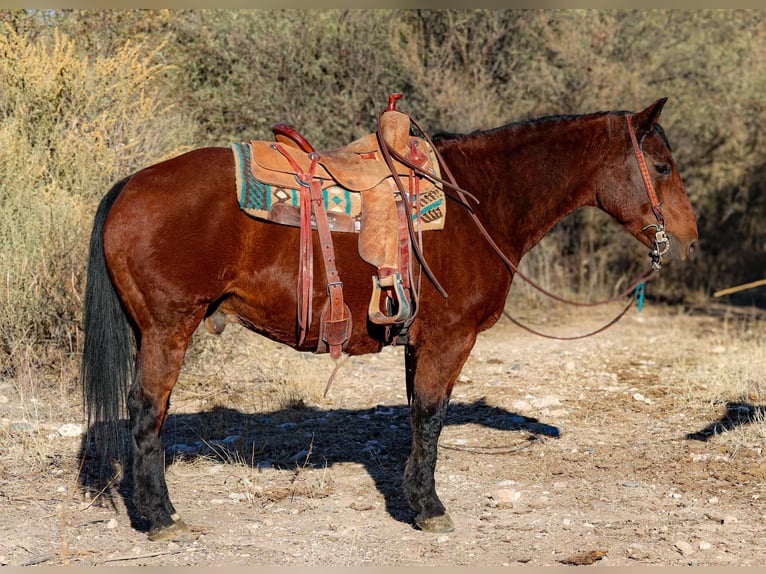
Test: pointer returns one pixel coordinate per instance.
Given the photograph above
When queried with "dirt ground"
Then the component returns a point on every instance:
(642, 445)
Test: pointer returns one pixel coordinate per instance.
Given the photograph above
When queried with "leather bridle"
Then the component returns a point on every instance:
(661, 242)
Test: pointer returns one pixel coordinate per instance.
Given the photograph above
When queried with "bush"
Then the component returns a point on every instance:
(69, 127)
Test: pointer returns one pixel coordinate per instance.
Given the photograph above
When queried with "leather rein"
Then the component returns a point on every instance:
(636, 289)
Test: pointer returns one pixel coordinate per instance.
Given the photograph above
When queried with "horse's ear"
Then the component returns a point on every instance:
(645, 120)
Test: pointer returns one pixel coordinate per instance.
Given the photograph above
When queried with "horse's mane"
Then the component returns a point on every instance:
(444, 136)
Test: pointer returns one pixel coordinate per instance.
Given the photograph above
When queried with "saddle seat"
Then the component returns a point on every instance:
(358, 166)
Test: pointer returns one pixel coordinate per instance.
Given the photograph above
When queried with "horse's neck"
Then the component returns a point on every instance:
(529, 176)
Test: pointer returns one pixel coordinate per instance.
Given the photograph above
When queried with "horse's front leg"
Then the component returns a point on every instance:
(432, 369)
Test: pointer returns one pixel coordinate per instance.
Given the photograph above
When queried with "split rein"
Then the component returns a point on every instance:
(636, 289)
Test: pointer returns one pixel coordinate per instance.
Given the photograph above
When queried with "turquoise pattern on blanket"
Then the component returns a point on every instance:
(254, 194)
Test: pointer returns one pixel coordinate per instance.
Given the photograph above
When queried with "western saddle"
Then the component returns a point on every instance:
(390, 169)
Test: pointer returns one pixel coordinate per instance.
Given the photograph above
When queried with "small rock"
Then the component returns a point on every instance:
(547, 402)
(684, 547)
(712, 500)
(729, 519)
(504, 497)
(3, 400)
(112, 524)
(521, 406)
(641, 398)
(631, 484)
(22, 426)
(705, 545)
(70, 430)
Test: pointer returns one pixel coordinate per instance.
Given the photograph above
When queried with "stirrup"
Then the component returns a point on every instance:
(402, 304)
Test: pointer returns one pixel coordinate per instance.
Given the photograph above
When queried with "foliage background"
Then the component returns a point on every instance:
(88, 96)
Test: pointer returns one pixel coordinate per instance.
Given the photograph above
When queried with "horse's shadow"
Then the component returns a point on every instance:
(377, 438)
(736, 415)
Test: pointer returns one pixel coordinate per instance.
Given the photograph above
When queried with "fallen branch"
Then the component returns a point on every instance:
(743, 287)
(140, 556)
(37, 560)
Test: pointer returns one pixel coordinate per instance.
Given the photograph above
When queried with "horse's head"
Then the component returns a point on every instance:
(647, 195)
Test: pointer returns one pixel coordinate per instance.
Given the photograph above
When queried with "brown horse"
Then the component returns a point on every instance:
(170, 247)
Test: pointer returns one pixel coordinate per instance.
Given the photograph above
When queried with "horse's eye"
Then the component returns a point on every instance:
(662, 168)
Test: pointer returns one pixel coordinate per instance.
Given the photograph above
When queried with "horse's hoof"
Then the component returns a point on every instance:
(439, 524)
(173, 532)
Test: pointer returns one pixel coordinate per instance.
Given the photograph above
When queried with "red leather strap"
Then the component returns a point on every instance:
(305, 266)
(336, 321)
(306, 257)
(335, 324)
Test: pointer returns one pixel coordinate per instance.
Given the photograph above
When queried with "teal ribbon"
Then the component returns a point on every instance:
(639, 295)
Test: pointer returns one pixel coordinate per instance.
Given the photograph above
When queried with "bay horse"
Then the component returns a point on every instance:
(170, 247)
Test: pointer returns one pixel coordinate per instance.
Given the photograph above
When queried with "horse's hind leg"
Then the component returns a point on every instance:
(159, 364)
(432, 369)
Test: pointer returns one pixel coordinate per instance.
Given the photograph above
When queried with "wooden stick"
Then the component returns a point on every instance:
(742, 287)
(140, 556)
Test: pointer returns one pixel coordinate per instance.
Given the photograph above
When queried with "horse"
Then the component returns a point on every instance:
(171, 248)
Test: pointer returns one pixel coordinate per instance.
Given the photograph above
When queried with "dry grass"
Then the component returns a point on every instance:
(242, 370)
(71, 126)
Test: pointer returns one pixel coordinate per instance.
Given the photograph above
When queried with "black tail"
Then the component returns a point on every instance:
(108, 352)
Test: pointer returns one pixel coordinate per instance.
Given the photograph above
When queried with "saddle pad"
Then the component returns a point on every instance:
(281, 204)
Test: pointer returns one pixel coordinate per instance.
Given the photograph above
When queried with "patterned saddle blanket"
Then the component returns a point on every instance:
(268, 189)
